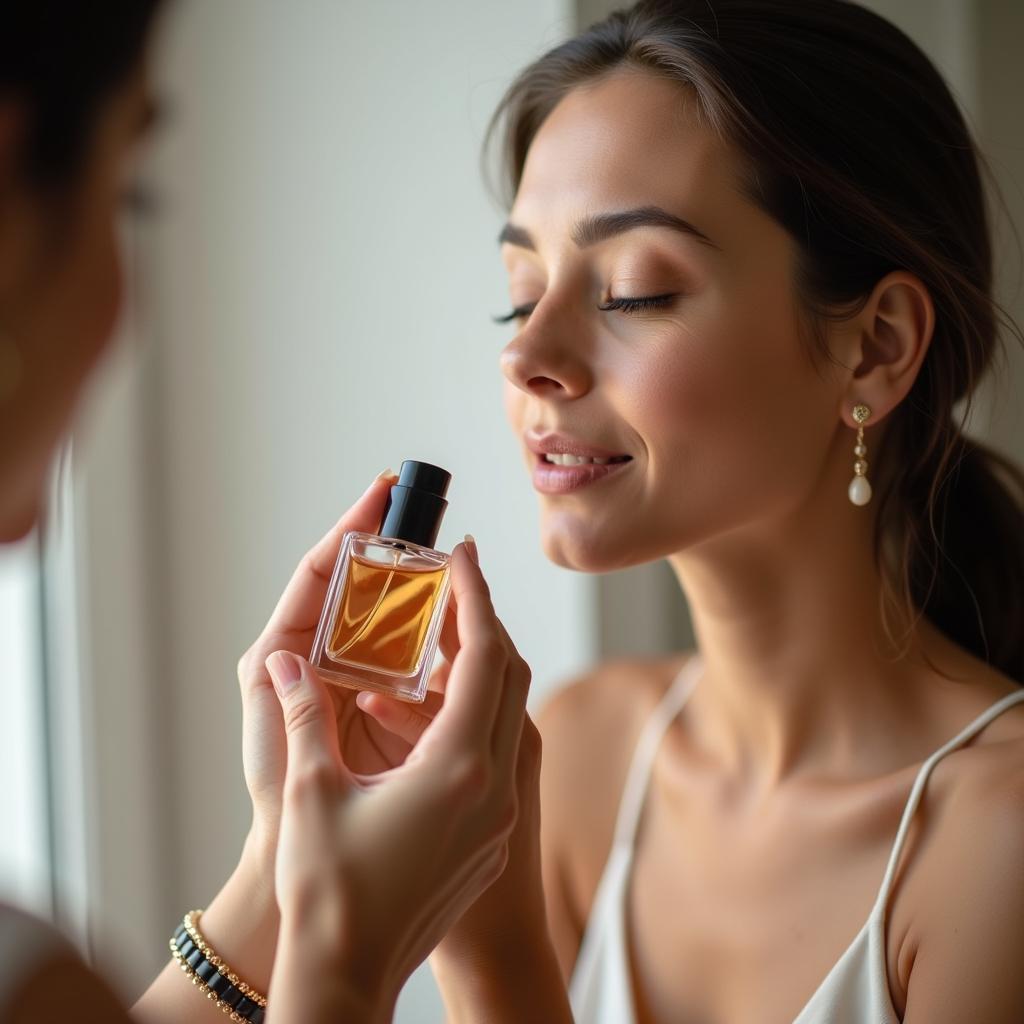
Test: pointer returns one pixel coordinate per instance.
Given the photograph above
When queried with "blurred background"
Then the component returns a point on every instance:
(313, 302)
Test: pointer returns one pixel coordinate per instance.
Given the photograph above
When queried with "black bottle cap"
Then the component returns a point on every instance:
(416, 504)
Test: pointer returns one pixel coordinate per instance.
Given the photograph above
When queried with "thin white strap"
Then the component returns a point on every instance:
(959, 740)
(647, 748)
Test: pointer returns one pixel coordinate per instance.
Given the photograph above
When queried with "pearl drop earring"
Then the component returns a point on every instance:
(860, 489)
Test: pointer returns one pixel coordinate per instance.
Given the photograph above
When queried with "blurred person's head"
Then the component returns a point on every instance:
(838, 253)
(73, 100)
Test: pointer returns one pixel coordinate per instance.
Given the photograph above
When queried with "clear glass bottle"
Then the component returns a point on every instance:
(388, 594)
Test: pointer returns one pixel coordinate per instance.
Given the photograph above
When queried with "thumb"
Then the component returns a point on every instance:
(309, 720)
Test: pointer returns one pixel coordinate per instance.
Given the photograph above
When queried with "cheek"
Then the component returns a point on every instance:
(731, 395)
(514, 402)
(92, 295)
(106, 286)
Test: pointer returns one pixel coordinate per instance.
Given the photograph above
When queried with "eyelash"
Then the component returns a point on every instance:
(626, 305)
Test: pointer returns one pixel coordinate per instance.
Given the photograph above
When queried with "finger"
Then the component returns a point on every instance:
(264, 749)
(299, 607)
(474, 683)
(439, 678)
(309, 721)
(402, 719)
(508, 724)
(449, 642)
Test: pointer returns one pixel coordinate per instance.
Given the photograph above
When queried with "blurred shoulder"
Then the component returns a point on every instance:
(606, 702)
(590, 728)
(25, 942)
(41, 976)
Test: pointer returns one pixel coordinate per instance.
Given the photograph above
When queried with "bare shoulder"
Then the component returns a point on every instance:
(970, 935)
(612, 694)
(985, 782)
(980, 785)
(988, 769)
(971, 831)
(590, 728)
(592, 722)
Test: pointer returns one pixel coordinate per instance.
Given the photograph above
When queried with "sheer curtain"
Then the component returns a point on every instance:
(25, 868)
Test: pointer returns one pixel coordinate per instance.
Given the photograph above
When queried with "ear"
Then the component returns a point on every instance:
(890, 340)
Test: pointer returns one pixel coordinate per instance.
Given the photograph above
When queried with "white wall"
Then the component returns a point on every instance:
(998, 28)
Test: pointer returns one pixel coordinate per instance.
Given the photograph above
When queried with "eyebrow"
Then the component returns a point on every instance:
(601, 226)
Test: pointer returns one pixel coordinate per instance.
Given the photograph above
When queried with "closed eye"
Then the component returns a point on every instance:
(519, 312)
(140, 200)
(637, 304)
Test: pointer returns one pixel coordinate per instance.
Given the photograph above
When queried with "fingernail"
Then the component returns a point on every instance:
(470, 542)
(363, 698)
(285, 670)
(385, 474)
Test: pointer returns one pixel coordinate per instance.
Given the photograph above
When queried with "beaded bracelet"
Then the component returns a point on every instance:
(242, 1003)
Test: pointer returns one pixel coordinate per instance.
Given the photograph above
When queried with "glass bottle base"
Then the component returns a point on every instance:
(413, 690)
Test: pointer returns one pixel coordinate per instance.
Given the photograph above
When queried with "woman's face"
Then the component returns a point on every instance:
(60, 291)
(703, 396)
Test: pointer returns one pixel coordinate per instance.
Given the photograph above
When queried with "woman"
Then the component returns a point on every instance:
(333, 873)
(740, 231)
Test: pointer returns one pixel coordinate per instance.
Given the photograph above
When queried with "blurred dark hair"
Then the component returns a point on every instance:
(855, 145)
(62, 59)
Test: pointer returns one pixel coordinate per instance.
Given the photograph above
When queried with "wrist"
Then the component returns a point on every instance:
(258, 853)
(494, 938)
(316, 979)
(522, 976)
(242, 921)
(499, 957)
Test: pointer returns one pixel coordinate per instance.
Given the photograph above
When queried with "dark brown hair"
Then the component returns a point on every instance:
(60, 61)
(855, 145)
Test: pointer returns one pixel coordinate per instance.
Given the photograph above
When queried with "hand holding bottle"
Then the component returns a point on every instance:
(370, 876)
(368, 747)
(242, 920)
(499, 952)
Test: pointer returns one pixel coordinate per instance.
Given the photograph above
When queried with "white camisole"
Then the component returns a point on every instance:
(855, 991)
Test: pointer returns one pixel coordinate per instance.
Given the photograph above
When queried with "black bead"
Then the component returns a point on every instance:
(219, 983)
(245, 1006)
(185, 948)
(230, 995)
(180, 934)
(257, 1015)
(206, 970)
(194, 958)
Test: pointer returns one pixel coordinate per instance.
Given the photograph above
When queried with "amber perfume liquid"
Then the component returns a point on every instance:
(382, 618)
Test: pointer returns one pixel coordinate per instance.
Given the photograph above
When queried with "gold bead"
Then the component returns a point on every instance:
(860, 467)
(191, 924)
(860, 450)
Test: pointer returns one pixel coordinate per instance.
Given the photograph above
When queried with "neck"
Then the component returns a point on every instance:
(799, 677)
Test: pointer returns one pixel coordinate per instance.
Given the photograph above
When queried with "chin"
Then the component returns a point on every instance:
(583, 549)
(21, 511)
(16, 526)
(608, 541)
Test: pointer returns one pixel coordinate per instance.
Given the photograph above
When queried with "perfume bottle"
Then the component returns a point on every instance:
(388, 594)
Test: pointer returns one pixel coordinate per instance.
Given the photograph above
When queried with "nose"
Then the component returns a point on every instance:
(543, 360)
